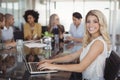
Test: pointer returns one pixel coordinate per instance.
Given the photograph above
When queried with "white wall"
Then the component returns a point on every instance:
(65, 10)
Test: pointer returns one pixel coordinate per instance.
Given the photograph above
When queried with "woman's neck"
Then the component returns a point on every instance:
(55, 25)
(95, 36)
(32, 24)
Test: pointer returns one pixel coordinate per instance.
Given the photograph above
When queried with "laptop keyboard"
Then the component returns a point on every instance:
(34, 66)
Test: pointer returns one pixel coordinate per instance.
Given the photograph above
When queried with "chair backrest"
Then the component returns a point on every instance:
(44, 28)
(18, 35)
(112, 66)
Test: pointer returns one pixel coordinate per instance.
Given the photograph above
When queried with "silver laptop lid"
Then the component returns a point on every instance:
(26, 64)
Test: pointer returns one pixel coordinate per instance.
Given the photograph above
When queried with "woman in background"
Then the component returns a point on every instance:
(32, 29)
(92, 56)
(55, 27)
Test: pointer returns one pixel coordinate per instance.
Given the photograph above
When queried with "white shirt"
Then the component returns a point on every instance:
(95, 71)
(7, 33)
(77, 32)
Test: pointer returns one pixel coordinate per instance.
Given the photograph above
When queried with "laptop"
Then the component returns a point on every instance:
(32, 67)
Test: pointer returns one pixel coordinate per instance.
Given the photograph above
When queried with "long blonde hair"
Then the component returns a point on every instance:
(103, 28)
(51, 21)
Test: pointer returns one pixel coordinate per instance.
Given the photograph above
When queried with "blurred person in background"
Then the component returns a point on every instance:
(55, 27)
(32, 29)
(2, 20)
(7, 31)
(76, 32)
(76, 28)
(3, 45)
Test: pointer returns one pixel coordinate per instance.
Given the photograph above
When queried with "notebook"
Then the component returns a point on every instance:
(35, 45)
(32, 67)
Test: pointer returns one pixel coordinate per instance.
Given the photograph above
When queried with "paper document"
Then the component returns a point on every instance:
(30, 41)
(33, 45)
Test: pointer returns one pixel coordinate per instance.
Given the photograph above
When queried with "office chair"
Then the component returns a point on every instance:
(112, 67)
(18, 35)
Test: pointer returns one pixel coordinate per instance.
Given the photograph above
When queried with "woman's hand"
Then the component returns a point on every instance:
(46, 65)
(35, 37)
(29, 37)
(12, 44)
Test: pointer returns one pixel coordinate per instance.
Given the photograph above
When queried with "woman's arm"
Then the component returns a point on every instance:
(27, 35)
(67, 58)
(39, 29)
(11, 44)
(95, 50)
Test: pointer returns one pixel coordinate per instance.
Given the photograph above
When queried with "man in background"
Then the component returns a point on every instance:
(7, 31)
(76, 28)
(76, 32)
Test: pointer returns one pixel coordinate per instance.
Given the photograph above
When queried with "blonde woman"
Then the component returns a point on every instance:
(96, 45)
(55, 27)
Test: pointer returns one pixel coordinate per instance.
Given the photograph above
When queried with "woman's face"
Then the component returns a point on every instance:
(56, 20)
(30, 19)
(76, 21)
(92, 25)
